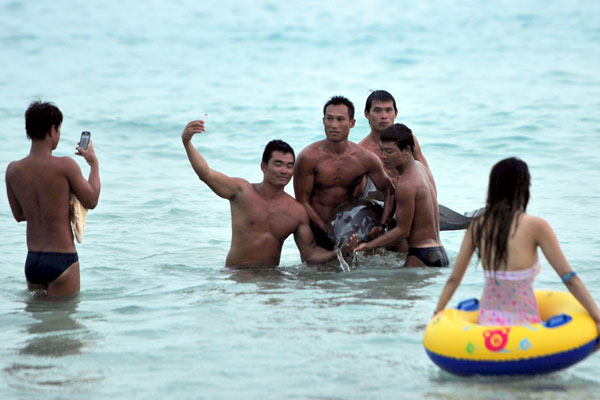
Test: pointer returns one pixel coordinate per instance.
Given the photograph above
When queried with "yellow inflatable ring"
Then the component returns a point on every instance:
(457, 344)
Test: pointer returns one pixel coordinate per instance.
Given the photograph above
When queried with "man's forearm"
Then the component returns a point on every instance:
(315, 217)
(94, 177)
(198, 162)
(94, 181)
(388, 207)
(319, 255)
(391, 236)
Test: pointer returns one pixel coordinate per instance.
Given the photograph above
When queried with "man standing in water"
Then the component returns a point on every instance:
(417, 212)
(330, 172)
(39, 187)
(263, 215)
(381, 111)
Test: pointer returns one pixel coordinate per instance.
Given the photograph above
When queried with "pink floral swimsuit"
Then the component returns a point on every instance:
(508, 297)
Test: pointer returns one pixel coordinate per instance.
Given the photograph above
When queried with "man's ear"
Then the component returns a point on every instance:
(263, 167)
(352, 123)
(367, 113)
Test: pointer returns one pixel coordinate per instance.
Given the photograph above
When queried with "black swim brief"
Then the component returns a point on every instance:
(430, 256)
(42, 267)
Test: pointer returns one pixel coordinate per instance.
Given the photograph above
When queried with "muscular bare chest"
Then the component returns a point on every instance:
(254, 214)
(339, 171)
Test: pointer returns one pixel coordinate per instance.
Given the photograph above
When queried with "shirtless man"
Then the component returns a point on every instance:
(381, 111)
(263, 215)
(39, 188)
(417, 212)
(330, 172)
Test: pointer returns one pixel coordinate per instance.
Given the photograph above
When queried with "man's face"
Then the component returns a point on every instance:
(381, 115)
(337, 122)
(280, 168)
(392, 156)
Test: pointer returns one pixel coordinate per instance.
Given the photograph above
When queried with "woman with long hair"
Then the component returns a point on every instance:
(506, 240)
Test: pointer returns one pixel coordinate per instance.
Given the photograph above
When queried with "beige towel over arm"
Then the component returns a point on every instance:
(77, 217)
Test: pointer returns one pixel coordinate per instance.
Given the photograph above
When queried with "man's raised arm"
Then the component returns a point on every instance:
(223, 185)
(87, 191)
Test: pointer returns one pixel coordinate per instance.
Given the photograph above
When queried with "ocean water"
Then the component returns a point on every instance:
(158, 315)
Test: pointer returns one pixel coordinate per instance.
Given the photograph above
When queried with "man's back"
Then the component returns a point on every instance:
(417, 181)
(42, 189)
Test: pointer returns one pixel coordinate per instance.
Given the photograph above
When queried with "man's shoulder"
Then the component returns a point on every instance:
(409, 180)
(246, 191)
(64, 160)
(313, 147)
(244, 184)
(13, 171)
(32, 164)
(363, 153)
(358, 146)
(368, 142)
(65, 164)
(295, 208)
(364, 141)
(13, 166)
(312, 152)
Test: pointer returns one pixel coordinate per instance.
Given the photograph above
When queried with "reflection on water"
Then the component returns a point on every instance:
(559, 385)
(53, 335)
(371, 278)
(54, 332)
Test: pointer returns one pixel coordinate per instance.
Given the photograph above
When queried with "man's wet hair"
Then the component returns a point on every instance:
(276, 145)
(379, 95)
(40, 117)
(337, 100)
(399, 134)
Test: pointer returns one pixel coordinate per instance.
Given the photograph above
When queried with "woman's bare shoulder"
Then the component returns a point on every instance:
(534, 224)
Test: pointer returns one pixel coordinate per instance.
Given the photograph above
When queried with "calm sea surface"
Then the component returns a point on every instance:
(158, 315)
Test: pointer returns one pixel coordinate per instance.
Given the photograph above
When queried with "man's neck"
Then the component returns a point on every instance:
(374, 136)
(406, 166)
(41, 147)
(268, 190)
(336, 147)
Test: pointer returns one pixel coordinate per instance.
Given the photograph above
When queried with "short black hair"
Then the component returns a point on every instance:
(379, 95)
(40, 117)
(336, 100)
(276, 145)
(399, 134)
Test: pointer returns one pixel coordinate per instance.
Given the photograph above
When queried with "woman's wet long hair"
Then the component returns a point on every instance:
(508, 195)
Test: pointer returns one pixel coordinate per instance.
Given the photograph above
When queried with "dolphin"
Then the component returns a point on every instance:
(362, 214)
(356, 216)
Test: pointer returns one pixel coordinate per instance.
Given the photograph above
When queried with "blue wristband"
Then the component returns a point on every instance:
(566, 277)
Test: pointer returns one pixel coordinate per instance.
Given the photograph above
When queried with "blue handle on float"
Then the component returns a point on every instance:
(557, 320)
(468, 305)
